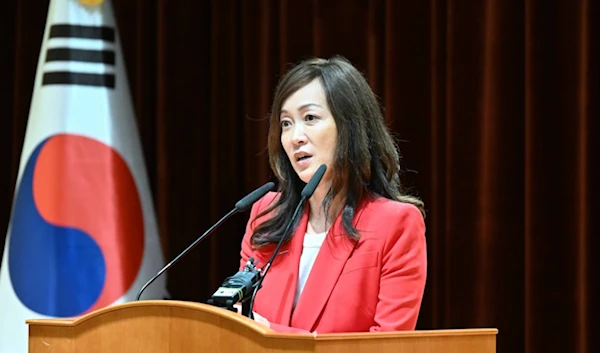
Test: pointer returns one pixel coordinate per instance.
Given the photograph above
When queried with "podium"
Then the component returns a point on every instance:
(177, 326)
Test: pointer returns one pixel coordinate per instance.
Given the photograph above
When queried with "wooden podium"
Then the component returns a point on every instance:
(177, 326)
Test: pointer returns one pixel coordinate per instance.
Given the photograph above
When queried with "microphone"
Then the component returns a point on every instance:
(306, 193)
(236, 288)
(240, 206)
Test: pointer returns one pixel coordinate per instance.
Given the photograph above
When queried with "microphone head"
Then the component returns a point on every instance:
(254, 196)
(312, 184)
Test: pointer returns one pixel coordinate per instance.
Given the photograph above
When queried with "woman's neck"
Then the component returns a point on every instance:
(319, 222)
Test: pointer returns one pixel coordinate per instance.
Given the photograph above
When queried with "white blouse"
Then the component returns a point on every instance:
(312, 245)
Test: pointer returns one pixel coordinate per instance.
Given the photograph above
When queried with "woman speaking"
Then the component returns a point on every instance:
(355, 259)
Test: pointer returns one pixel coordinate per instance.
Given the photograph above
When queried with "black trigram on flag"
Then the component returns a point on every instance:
(80, 55)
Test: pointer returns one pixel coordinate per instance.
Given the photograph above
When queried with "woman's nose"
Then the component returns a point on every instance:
(299, 135)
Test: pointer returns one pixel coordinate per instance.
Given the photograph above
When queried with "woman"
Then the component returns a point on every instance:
(356, 258)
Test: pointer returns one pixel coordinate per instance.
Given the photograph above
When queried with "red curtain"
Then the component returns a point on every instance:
(495, 104)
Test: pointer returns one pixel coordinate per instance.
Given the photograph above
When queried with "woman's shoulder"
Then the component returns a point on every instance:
(261, 205)
(393, 223)
(385, 207)
(267, 200)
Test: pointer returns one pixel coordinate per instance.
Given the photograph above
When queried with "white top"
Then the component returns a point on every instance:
(312, 245)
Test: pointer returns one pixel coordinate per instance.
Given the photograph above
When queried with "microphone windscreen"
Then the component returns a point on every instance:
(312, 184)
(254, 196)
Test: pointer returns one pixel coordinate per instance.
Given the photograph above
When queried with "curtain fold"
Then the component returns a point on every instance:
(494, 104)
(560, 192)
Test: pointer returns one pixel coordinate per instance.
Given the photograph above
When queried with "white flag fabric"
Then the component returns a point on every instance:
(82, 232)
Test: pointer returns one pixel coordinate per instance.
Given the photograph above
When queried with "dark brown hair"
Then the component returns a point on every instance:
(366, 162)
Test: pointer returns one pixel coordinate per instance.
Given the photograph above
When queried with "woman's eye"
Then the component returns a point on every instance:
(310, 117)
(285, 123)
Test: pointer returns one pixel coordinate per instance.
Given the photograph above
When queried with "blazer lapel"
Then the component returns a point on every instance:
(283, 277)
(325, 272)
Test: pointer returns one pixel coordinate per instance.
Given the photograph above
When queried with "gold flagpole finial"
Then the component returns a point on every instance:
(91, 2)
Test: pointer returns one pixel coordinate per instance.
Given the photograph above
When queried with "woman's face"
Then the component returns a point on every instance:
(308, 131)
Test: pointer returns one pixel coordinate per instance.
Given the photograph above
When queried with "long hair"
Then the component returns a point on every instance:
(366, 162)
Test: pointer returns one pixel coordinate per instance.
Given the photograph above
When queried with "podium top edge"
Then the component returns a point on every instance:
(74, 321)
(414, 333)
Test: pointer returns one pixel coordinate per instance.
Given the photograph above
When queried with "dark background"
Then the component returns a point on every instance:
(495, 105)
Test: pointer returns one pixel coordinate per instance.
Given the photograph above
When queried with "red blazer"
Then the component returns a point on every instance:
(375, 284)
